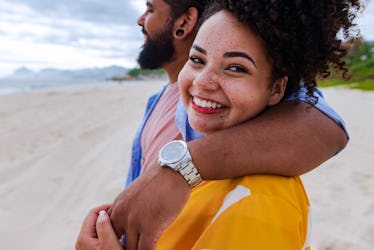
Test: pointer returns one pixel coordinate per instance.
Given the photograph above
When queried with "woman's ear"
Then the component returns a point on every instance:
(277, 91)
(184, 25)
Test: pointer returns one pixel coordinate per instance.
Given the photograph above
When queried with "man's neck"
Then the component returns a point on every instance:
(174, 67)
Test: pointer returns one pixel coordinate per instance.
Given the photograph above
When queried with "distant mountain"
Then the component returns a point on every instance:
(23, 71)
(24, 79)
(52, 74)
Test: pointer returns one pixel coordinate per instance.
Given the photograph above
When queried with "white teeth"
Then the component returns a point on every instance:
(206, 104)
(197, 101)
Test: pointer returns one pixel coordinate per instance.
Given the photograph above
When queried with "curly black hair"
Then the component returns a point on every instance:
(300, 36)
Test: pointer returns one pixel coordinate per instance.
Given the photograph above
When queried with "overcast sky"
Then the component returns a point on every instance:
(81, 33)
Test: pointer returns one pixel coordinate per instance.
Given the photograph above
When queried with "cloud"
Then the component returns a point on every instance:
(69, 21)
(94, 11)
(365, 22)
(94, 32)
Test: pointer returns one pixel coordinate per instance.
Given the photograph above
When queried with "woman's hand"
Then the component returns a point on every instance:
(97, 232)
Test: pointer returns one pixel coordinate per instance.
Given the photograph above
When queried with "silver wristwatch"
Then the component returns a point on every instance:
(176, 156)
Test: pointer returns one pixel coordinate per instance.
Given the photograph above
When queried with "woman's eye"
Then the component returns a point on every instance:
(196, 60)
(236, 68)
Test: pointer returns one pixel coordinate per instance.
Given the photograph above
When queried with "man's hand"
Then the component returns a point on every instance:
(97, 233)
(148, 206)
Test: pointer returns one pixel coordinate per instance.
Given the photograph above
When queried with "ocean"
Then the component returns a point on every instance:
(8, 86)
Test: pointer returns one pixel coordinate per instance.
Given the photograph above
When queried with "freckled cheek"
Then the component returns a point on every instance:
(184, 93)
(239, 106)
(184, 85)
(185, 79)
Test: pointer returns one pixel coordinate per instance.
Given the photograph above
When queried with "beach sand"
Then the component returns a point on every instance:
(63, 152)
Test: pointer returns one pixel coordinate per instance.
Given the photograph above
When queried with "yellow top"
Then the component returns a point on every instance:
(253, 212)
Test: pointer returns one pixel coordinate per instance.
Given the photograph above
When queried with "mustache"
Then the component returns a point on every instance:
(144, 31)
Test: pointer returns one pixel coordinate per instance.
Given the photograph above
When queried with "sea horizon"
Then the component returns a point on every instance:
(16, 86)
(8, 86)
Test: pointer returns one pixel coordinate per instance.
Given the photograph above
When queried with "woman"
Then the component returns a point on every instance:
(246, 55)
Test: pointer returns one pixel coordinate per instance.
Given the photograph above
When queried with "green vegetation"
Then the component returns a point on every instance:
(363, 85)
(361, 65)
(136, 72)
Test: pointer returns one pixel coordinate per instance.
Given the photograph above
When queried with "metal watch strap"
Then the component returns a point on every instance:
(190, 174)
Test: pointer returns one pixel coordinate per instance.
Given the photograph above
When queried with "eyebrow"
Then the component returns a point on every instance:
(228, 54)
(240, 54)
(198, 48)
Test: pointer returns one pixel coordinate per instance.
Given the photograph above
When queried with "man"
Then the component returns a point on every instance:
(260, 146)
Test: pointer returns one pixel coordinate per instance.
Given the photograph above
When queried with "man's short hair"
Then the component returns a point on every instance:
(178, 7)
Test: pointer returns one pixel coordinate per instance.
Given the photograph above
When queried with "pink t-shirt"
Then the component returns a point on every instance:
(161, 127)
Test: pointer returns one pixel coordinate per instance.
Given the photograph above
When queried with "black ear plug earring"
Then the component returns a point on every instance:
(179, 32)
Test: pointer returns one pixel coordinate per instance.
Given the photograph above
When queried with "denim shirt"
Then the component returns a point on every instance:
(189, 134)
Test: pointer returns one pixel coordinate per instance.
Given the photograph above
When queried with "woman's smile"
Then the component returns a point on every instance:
(206, 105)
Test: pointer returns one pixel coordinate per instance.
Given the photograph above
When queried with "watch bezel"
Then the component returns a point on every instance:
(182, 163)
(164, 161)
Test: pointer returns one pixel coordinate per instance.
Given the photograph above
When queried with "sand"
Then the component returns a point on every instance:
(341, 191)
(63, 152)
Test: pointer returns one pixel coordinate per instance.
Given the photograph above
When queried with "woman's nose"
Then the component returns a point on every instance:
(207, 81)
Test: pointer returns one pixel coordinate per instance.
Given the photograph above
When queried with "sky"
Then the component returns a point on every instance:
(72, 34)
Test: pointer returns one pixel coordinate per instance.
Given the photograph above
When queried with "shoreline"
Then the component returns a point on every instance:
(21, 87)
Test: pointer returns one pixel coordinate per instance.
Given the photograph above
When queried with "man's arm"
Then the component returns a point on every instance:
(289, 139)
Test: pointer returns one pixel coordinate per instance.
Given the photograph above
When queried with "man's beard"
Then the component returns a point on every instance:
(157, 51)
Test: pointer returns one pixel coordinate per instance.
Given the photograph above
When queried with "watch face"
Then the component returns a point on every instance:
(173, 152)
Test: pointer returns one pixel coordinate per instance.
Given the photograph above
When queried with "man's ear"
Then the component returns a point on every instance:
(184, 25)
(277, 91)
